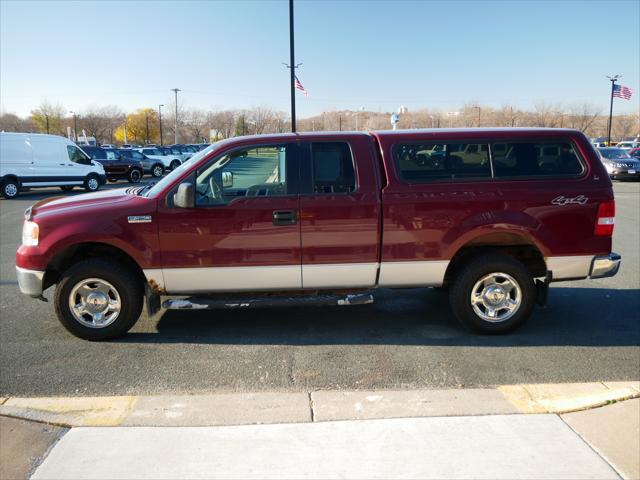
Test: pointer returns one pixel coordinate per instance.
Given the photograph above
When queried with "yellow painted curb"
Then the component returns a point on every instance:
(567, 397)
(73, 411)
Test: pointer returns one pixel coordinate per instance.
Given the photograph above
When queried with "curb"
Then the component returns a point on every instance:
(315, 406)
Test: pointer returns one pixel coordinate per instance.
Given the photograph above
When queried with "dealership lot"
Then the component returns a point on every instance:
(589, 331)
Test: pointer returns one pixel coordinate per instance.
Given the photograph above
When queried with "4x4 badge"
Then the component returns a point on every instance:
(561, 200)
(139, 219)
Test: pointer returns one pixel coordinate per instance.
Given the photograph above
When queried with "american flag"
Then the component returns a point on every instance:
(621, 91)
(301, 88)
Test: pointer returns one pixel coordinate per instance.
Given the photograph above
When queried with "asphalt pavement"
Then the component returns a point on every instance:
(589, 332)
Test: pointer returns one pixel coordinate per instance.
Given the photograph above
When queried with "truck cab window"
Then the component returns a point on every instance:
(252, 172)
(333, 170)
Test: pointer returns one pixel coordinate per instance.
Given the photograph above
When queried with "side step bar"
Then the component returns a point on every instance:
(211, 303)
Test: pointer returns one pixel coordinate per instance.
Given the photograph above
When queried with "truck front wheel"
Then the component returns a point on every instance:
(493, 294)
(98, 299)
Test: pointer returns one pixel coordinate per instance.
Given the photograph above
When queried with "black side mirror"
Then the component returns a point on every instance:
(185, 196)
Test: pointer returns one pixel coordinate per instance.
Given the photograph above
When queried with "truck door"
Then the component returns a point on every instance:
(339, 213)
(243, 234)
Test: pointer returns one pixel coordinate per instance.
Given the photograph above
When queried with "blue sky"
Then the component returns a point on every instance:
(376, 54)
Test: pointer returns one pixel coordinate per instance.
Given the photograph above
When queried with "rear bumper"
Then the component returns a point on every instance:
(30, 281)
(605, 266)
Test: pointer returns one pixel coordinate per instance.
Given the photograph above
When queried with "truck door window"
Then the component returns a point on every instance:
(531, 159)
(423, 163)
(251, 172)
(77, 156)
(333, 170)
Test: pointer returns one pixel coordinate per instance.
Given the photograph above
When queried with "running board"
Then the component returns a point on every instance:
(210, 303)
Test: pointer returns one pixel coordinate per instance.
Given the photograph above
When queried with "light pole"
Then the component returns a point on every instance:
(478, 114)
(451, 115)
(160, 120)
(361, 109)
(292, 68)
(75, 126)
(175, 140)
(146, 119)
(613, 81)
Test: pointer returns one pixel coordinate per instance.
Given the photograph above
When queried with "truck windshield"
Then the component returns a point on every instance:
(177, 172)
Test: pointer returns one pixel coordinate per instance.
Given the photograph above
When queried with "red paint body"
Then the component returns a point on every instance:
(385, 220)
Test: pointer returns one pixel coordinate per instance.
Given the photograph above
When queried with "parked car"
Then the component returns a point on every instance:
(634, 152)
(619, 163)
(126, 146)
(29, 160)
(331, 217)
(177, 152)
(169, 160)
(107, 145)
(153, 167)
(628, 144)
(116, 165)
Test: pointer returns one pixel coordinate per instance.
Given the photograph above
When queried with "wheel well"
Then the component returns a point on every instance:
(11, 177)
(82, 251)
(526, 253)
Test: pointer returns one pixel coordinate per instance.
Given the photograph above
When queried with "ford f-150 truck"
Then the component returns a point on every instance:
(492, 215)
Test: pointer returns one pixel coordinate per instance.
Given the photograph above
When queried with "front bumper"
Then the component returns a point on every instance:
(30, 281)
(605, 266)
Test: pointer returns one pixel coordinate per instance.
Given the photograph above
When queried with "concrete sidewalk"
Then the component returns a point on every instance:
(491, 447)
(520, 431)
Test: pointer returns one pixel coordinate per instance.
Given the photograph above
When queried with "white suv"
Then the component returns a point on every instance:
(170, 162)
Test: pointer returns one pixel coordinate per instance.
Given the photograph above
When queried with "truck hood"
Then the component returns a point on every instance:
(83, 201)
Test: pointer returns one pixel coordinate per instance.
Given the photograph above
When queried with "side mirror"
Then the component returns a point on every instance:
(227, 179)
(185, 196)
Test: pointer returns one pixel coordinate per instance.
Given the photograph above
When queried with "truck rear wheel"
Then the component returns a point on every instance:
(98, 299)
(493, 294)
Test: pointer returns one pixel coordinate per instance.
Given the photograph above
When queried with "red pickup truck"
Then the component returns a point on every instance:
(493, 215)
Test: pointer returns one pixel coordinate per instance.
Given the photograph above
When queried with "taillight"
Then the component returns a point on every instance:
(606, 218)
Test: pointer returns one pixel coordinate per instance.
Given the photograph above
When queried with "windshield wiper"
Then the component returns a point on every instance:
(145, 188)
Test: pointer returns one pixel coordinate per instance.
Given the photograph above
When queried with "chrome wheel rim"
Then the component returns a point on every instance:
(496, 297)
(92, 183)
(94, 303)
(157, 172)
(10, 190)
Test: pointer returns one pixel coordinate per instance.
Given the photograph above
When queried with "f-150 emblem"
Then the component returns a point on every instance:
(139, 219)
(562, 200)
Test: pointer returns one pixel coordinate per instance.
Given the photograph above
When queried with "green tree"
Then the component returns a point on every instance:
(48, 118)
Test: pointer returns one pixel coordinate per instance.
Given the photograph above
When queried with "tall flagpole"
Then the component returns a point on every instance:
(613, 81)
(292, 69)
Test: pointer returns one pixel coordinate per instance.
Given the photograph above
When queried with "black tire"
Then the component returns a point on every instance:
(10, 188)
(174, 164)
(66, 188)
(92, 183)
(467, 277)
(128, 287)
(157, 170)
(135, 175)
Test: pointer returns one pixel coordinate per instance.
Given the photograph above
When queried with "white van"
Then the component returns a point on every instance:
(30, 160)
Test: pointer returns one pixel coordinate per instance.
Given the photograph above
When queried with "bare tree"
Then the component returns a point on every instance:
(10, 122)
(223, 122)
(260, 118)
(196, 124)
